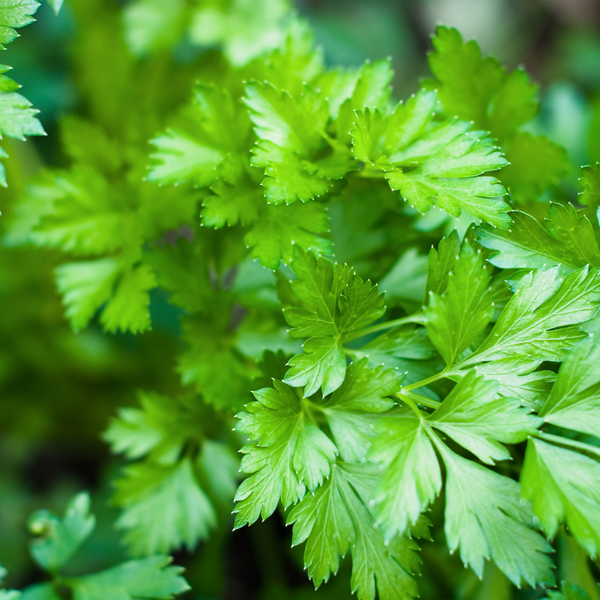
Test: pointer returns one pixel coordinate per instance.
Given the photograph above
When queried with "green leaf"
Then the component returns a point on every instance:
(474, 416)
(371, 90)
(163, 508)
(567, 239)
(336, 519)
(563, 486)
(319, 287)
(449, 178)
(56, 5)
(457, 317)
(574, 401)
(291, 132)
(211, 363)
(288, 177)
(590, 182)
(440, 263)
(485, 518)
(479, 89)
(128, 308)
(15, 14)
(151, 26)
(179, 158)
(180, 270)
(289, 123)
(57, 540)
(245, 28)
(536, 164)
(17, 118)
(402, 342)
(290, 452)
(519, 379)
(334, 299)
(39, 591)
(212, 126)
(150, 578)
(160, 427)
(281, 228)
(412, 477)
(322, 366)
(540, 320)
(350, 408)
(569, 591)
(85, 287)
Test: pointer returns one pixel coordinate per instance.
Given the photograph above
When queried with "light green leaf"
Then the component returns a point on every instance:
(149, 578)
(323, 365)
(128, 308)
(412, 477)
(56, 5)
(179, 158)
(540, 320)
(517, 379)
(231, 204)
(485, 518)
(17, 118)
(574, 401)
(85, 287)
(563, 486)
(567, 238)
(336, 519)
(152, 25)
(290, 123)
(455, 318)
(244, 28)
(281, 228)
(450, 177)
(474, 416)
(213, 125)
(15, 14)
(400, 342)
(89, 215)
(322, 521)
(160, 427)
(590, 182)
(350, 408)
(58, 539)
(289, 452)
(289, 178)
(441, 262)
(163, 508)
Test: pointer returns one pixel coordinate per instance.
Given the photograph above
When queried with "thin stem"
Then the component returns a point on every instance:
(428, 402)
(410, 403)
(416, 318)
(568, 442)
(424, 382)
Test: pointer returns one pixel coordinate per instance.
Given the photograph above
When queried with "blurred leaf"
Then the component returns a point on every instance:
(57, 540)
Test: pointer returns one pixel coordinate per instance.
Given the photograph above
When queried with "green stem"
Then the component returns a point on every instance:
(424, 382)
(416, 318)
(410, 403)
(556, 439)
(428, 402)
(307, 407)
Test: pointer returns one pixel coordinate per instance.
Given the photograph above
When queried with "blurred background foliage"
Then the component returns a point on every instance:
(59, 389)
